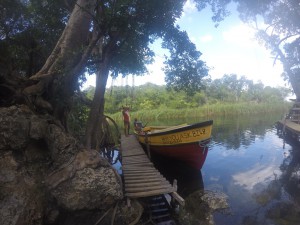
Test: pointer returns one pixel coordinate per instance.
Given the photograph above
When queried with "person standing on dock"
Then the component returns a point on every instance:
(126, 119)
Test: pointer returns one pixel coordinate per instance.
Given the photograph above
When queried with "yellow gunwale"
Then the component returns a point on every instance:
(176, 135)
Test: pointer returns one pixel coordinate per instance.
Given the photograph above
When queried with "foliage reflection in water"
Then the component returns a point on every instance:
(248, 163)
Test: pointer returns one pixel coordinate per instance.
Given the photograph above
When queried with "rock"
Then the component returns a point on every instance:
(61, 144)
(8, 168)
(42, 168)
(215, 200)
(14, 125)
(21, 197)
(38, 127)
(85, 158)
(285, 212)
(200, 205)
(89, 189)
(119, 212)
(128, 215)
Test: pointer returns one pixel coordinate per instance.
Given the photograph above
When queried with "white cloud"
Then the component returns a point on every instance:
(241, 35)
(255, 64)
(206, 38)
(155, 74)
(237, 52)
(189, 7)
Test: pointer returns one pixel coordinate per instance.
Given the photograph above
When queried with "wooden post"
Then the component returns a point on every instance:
(128, 202)
(175, 185)
(147, 146)
(178, 198)
(175, 195)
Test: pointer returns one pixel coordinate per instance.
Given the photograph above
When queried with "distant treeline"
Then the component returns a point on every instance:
(208, 111)
(228, 89)
(221, 97)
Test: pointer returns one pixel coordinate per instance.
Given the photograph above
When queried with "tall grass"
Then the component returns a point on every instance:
(224, 109)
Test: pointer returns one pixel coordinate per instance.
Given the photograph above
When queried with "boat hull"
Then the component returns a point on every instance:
(193, 154)
(187, 143)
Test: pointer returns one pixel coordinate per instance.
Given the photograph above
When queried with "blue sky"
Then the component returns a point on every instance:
(231, 47)
(228, 49)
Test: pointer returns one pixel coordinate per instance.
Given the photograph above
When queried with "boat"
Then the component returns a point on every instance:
(188, 143)
(290, 124)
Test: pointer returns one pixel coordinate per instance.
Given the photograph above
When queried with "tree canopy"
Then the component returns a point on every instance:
(48, 46)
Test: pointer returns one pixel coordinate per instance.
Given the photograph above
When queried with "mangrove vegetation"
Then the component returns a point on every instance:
(229, 95)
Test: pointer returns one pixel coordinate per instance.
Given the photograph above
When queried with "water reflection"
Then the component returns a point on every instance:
(234, 133)
(290, 168)
(257, 175)
(188, 178)
(247, 162)
(113, 156)
(252, 179)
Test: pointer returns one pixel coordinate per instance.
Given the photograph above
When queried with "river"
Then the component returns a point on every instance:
(249, 162)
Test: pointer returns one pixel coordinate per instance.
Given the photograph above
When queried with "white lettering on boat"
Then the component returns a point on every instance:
(179, 138)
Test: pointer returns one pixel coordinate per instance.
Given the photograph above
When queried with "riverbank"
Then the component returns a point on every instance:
(208, 111)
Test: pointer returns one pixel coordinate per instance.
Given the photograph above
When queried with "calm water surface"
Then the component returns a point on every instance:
(254, 167)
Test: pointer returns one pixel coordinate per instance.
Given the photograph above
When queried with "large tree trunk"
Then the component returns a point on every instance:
(56, 80)
(295, 82)
(97, 108)
(294, 78)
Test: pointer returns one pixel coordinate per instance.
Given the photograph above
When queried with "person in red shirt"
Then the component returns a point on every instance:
(126, 119)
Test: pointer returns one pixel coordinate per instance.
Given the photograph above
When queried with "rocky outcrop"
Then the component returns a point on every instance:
(89, 189)
(200, 205)
(44, 172)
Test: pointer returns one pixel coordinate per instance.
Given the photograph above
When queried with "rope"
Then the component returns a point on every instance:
(101, 218)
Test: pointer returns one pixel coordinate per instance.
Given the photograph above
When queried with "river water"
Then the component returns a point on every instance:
(253, 166)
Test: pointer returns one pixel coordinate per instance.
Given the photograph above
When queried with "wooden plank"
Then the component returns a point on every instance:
(134, 152)
(147, 188)
(154, 183)
(141, 164)
(147, 170)
(132, 181)
(139, 170)
(149, 193)
(291, 125)
(135, 156)
(127, 162)
(135, 159)
(136, 168)
(139, 173)
(141, 177)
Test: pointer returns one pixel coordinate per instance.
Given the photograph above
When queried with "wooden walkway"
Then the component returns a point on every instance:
(291, 126)
(140, 176)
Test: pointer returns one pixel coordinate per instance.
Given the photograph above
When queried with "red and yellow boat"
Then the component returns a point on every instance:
(187, 143)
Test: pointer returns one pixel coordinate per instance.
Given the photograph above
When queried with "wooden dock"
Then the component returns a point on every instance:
(290, 126)
(141, 178)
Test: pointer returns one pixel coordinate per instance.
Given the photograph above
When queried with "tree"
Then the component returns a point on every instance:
(24, 47)
(107, 37)
(280, 31)
(51, 88)
(184, 71)
(127, 28)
